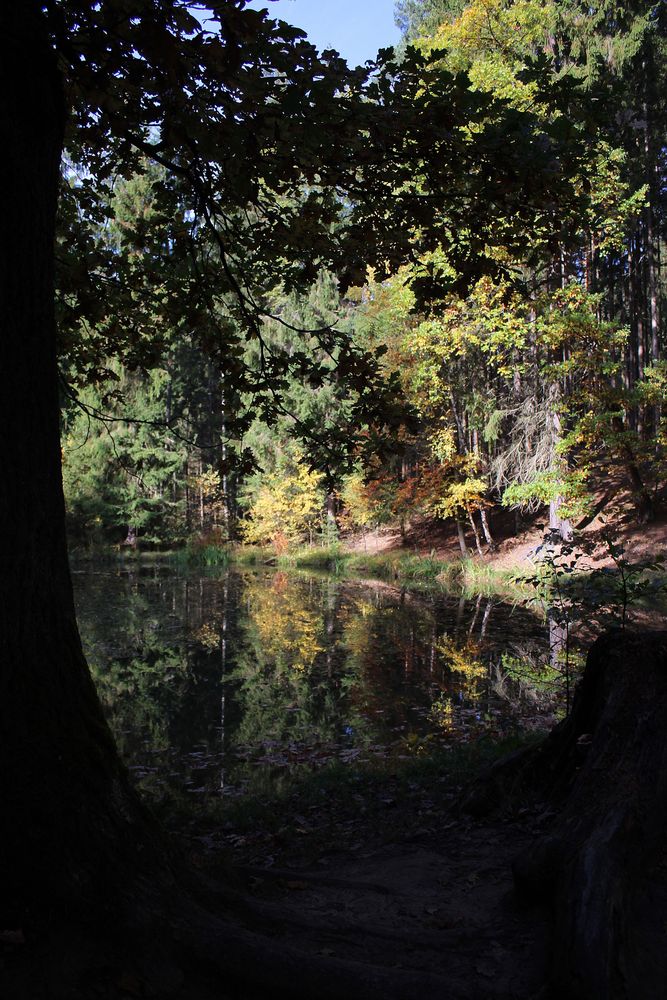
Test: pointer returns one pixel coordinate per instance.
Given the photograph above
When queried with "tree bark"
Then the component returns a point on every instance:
(461, 537)
(640, 495)
(475, 531)
(71, 828)
(332, 526)
(603, 862)
(486, 528)
(602, 773)
(559, 526)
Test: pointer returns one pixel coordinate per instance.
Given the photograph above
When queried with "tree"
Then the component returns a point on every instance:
(616, 56)
(421, 17)
(118, 474)
(245, 118)
(285, 506)
(58, 750)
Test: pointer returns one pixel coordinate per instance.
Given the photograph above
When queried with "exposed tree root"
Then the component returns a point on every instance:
(288, 873)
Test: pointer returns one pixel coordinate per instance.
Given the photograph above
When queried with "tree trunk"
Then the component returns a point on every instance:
(600, 865)
(475, 531)
(131, 540)
(641, 497)
(461, 536)
(486, 528)
(559, 525)
(652, 241)
(332, 526)
(71, 828)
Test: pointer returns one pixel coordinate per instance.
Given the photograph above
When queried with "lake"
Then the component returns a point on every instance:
(216, 685)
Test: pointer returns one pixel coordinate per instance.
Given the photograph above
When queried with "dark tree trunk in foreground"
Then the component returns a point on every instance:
(64, 792)
(601, 865)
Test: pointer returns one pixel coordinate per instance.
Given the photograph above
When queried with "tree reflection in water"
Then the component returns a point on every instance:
(212, 684)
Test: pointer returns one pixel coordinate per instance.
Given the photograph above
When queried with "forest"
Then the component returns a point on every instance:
(522, 380)
(334, 431)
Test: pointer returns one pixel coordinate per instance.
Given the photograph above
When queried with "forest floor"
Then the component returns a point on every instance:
(384, 870)
(391, 875)
(516, 542)
(391, 881)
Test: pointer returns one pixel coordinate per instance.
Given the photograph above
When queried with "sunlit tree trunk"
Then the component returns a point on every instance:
(486, 528)
(475, 531)
(332, 527)
(461, 537)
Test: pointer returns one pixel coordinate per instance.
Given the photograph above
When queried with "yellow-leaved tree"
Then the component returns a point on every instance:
(285, 507)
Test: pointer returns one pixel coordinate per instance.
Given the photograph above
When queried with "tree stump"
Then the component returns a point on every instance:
(602, 865)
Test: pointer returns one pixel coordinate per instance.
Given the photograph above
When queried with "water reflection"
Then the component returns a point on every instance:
(213, 684)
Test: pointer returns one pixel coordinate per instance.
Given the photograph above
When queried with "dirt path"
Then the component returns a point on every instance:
(445, 905)
(415, 888)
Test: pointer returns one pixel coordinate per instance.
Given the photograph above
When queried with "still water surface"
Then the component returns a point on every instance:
(215, 685)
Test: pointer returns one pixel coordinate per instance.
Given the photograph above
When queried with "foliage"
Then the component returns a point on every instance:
(118, 475)
(493, 40)
(206, 550)
(285, 506)
(577, 598)
(620, 591)
(488, 355)
(420, 17)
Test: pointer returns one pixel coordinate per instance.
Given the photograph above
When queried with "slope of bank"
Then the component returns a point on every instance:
(429, 551)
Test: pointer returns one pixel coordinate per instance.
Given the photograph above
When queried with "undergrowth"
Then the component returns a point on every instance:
(201, 554)
(468, 575)
(343, 793)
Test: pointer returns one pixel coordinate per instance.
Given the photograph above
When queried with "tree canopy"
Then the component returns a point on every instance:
(264, 162)
(493, 150)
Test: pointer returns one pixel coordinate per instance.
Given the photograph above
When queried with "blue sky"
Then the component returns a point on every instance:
(357, 28)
